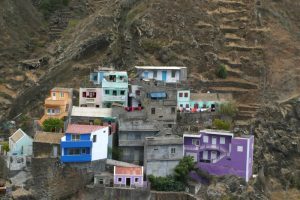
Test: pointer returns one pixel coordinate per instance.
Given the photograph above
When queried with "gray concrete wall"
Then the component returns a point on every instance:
(44, 149)
(161, 168)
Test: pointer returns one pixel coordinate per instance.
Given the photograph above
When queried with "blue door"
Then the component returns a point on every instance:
(146, 74)
(164, 75)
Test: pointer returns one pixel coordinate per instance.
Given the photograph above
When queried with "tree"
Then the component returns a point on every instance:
(221, 71)
(53, 125)
(229, 109)
(185, 166)
(6, 147)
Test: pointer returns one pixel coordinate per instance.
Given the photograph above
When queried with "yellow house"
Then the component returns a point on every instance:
(59, 104)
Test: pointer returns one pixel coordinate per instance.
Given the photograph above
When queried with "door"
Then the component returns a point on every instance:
(213, 155)
(205, 155)
(127, 181)
(164, 75)
(55, 151)
(146, 75)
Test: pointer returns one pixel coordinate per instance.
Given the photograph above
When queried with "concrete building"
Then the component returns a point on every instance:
(47, 145)
(133, 129)
(90, 97)
(162, 154)
(20, 144)
(58, 105)
(168, 74)
(220, 153)
(84, 143)
(128, 176)
(103, 179)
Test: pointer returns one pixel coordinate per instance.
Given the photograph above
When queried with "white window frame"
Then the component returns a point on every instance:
(222, 140)
(171, 150)
(195, 141)
(205, 139)
(239, 148)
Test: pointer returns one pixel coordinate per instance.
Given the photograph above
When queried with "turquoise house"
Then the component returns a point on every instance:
(198, 101)
(20, 144)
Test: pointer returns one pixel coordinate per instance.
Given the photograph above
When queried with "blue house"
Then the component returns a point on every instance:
(84, 143)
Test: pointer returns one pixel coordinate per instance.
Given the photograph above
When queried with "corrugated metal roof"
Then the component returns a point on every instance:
(46, 137)
(91, 112)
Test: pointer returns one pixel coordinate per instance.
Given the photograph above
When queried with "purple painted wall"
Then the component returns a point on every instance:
(234, 157)
(132, 180)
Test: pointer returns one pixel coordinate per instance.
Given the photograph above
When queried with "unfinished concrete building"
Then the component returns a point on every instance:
(162, 154)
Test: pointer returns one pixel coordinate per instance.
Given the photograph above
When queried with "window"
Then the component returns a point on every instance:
(101, 181)
(155, 149)
(138, 92)
(136, 180)
(153, 111)
(204, 106)
(114, 93)
(95, 77)
(205, 139)
(62, 94)
(119, 180)
(181, 105)
(154, 74)
(173, 110)
(173, 150)
(180, 94)
(122, 92)
(240, 149)
(187, 106)
(186, 94)
(84, 94)
(53, 94)
(195, 142)
(83, 151)
(92, 95)
(222, 140)
(75, 137)
(173, 73)
(196, 106)
(94, 138)
(74, 151)
(170, 125)
(106, 91)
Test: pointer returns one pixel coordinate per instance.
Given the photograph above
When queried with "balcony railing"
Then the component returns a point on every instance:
(52, 102)
(114, 98)
(76, 144)
(206, 147)
(76, 158)
(89, 100)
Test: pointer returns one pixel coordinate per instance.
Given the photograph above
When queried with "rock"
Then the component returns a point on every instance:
(217, 191)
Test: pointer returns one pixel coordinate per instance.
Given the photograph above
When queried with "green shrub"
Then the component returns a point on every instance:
(151, 45)
(49, 6)
(98, 122)
(229, 109)
(6, 147)
(168, 183)
(184, 167)
(221, 72)
(53, 125)
(221, 124)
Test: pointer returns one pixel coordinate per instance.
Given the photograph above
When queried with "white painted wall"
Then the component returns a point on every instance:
(159, 75)
(85, 101)
(99, 149)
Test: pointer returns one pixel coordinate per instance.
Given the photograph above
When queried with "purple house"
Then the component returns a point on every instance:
(220, 153)
(128, 176)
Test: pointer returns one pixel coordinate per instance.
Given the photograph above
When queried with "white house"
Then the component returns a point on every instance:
(90, 97)
(20, 144)
(167, 74)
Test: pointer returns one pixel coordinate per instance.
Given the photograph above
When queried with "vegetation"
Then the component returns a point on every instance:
(186, 164)
(5, 147)
(98, 122)
(25, 123)
(221, 71)
(116, 153)
(221, 124)
(168, 183)
(229, 109)
(53, 125)
(176, 182)
(49, 6)
(151, 45)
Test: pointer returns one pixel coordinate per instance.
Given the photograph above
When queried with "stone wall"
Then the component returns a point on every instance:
(53, 180)
(3, 168)
(44, 149)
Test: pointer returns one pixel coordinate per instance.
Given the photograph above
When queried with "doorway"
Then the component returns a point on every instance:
(127, 181)
(164, 75)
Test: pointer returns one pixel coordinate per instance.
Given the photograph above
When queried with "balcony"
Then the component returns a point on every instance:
(206, 147)
(116, 84)
(90, 100)
(114, 98)
(76, 144)
(191, 147)
(50, 102)
(76, 158)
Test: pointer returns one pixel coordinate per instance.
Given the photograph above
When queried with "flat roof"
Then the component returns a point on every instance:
(192, 135)
(61, 89)
(46, 137)
(217, 132)
(91, 112)
(159, 67)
